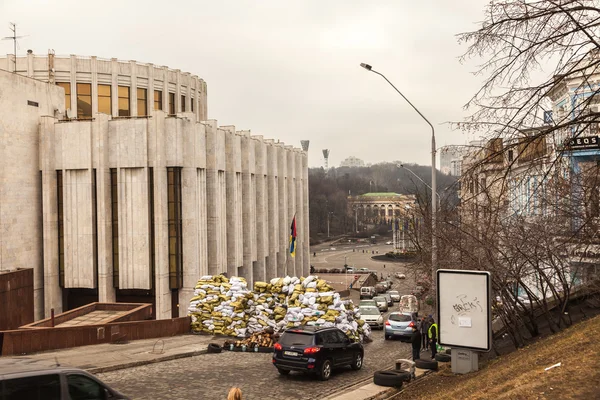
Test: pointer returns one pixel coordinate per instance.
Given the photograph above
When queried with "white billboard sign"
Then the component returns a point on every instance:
(464, 309)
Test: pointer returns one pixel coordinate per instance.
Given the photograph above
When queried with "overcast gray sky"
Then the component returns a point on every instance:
(288, 70)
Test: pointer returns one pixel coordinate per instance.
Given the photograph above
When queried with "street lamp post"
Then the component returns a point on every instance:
(433, 183)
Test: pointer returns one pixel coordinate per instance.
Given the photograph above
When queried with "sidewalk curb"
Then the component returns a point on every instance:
(99, 370)
(394, 391)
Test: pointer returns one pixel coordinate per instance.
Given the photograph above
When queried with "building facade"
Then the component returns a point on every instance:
(115, 207)
(352, 162)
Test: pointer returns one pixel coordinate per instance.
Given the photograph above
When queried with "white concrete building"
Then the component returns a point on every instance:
(352, 162)
(136, 207)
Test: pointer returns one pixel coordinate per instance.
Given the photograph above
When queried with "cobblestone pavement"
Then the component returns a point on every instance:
(210, 376)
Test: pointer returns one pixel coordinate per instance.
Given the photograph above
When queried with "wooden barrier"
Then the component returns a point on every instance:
(16, 298)
(26, 341)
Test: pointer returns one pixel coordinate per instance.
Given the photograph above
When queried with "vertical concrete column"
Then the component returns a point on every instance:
(273, 209)
(47, 292)
(187, 91)
(150, 94)
(133, 89)
(194, 232)
(284, 221)
(261, 210)
(291, 209)
(165, 89)
(306, 233)
(299, 209)
(215, 202)
(94, 70)
(177, 91)
(73, 61)
(114, 87)
(234, 200)
(100, 148)
(248, 205)
(162, 290)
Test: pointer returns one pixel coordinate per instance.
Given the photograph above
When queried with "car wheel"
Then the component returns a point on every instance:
(358, 362)
(283, 371)
(388, 378)
(325, 371)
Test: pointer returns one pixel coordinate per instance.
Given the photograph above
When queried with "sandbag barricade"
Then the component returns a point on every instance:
(223, 306)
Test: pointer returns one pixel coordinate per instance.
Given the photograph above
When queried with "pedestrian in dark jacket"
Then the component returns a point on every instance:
(424, 329)
(416, 343)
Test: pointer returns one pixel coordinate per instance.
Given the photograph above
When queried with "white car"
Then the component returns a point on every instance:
(372, 316)
(395, 295)
(388, 242)
(400, 276)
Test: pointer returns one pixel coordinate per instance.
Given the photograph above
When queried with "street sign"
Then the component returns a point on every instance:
(584, 142)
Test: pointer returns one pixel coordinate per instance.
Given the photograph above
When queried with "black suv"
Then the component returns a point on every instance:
(317, 350)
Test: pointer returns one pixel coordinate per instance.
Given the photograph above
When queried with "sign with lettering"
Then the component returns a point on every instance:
(584, 142)
(464, 309)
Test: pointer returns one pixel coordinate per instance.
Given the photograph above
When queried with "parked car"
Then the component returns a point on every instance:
(382, 303)
(372, 316)
(395, 295)
(316, 349)
(400, 276)
(388, 242)
(349, 270)
(363, 270)
(367, 292)
(42, 382)
(399, 324)
(367, 303)
(390, 301)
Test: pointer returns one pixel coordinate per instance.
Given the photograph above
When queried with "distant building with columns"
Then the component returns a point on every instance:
(115, 186)
(372, 209)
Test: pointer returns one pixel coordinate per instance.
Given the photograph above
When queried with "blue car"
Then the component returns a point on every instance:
(399, 324)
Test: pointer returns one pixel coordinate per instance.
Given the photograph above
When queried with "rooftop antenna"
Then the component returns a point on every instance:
(14, 37)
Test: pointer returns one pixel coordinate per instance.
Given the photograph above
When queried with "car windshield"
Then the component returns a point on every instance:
(394, 293)
(369, 311)
(367, 303)
(379, 298)
(400, 317)
(296, 339)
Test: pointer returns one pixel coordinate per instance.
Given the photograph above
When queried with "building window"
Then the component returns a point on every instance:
(158, 100)
(192, 104)
(171, 103)
(104, 102)
(84, 100)
(175, 228)
(124, 103)
(182, 103)
(61, 229)
(510, 156)
(142, 105)
(67, 87)
(114, 201)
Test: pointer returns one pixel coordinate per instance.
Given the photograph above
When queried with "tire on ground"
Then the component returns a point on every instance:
(443, 357)
(388, 378)
(213, 348)
(426, 364)
(404, 375)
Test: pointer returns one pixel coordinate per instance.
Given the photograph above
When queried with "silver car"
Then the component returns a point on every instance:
(395, 295)
(399, 324)
(382, 303)
(372, 316)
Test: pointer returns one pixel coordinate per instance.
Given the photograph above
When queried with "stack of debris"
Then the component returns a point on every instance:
(223, 306)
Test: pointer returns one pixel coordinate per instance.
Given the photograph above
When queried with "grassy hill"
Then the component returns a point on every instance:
(521, 374)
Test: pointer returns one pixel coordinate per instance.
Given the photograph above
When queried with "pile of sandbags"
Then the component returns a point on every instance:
(279, 304)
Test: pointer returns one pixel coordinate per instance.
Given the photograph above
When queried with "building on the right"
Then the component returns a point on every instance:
(451, 159)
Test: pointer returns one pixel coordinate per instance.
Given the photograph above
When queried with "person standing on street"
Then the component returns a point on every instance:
(416, 343)
(433, 337)
(424, 331)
